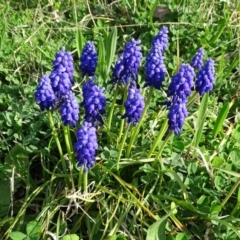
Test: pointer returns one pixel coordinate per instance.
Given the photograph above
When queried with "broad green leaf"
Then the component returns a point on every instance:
(200, 120)
(17, 235)
(33, 227)
(157, 230)
(70, 237)
(18, 157)
(220, 119)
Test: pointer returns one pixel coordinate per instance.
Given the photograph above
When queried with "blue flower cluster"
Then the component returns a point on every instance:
(181, 84)
(62, 74)
(205, 77)
(155, 69)
(179, 90)
(161, 38)
(197, 60)
(86, 145)
(134, 105)
(94, 101)
(126, 67)
(88, 59)
(69, 109)
(44, 94)
(176, 116)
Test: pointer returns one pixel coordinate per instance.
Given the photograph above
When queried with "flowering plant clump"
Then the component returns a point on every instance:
(86, 145)
(205, 77)
(197, 60)
(155, 69)
(88, 59)
(62, 74)
(126, 67)
(94, 101)
(69, 109)
(161, 38)
(134, 105)
(44, 94)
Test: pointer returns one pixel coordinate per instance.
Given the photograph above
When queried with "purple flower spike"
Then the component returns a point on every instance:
(181, 84)
(126, 67)
(86, 146)
(205, 77)
(88, 59)
(197, 60)
(62, 75)
(161, 38)
(155, 68)
(69, 109)
(176, 116)
(94, 102)
(44, 94)
(134, 105)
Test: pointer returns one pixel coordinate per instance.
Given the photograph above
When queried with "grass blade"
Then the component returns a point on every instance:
(220, 119)
(200, 120)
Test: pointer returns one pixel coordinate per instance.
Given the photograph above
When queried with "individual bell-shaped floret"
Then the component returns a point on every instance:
(197, 60)
(205, 77)
(134, 105)
(126, 67)
(94, 102)
(88, 59)
(44, 94)
(69, 109)
(86, 146)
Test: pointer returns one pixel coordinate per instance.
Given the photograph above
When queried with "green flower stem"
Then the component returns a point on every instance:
(121, 147)
(67, 141)
(80, 178)
(85, 182)
(161, 150)
(55, 134)
(112, 108)
(123, 109)
(161, 133)
(71, 145)
(230, 192)
(136, 129)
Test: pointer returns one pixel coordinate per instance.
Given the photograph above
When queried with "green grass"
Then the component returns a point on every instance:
(182, 187)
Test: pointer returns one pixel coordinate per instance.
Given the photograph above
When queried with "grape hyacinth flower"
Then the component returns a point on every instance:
(205, 77)
(94, 101)
(176, 116)
(86, 146)
(134, 105)
(161, 38)
(44, 94)
(181, 84)
(62, 74)
(88, 59)
(69, 109)
(197, 60)
(126, 67)
(155, 69)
